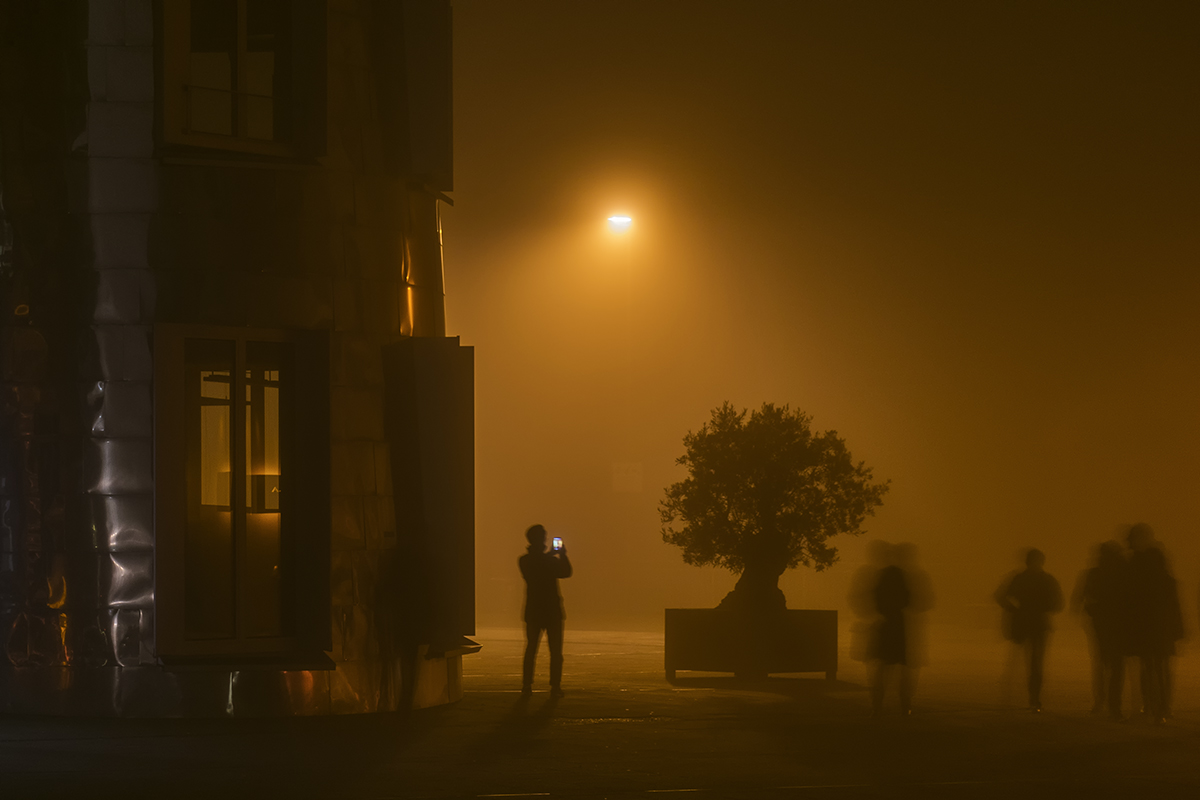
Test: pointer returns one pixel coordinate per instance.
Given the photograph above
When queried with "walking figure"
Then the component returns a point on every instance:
(891, 598)
(1155, 620)
(1103, 595)
(1028, 600)
(543, 606)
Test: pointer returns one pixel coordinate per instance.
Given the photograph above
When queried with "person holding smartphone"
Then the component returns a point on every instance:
(543, 605)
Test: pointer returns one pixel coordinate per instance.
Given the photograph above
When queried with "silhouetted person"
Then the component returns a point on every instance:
(862, 601)
(920, 600)
(1028, 599)
(891, 598)
(1103, 595)
(543, 606)
(890, 594)
(1155, 620)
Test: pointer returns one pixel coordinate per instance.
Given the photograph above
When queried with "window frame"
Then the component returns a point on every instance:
(306, 98)
(309, 479)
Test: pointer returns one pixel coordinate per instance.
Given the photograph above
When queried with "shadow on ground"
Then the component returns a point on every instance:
(795, 688)
(516, 732)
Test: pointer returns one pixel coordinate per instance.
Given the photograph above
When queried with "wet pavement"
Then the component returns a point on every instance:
(623, 731)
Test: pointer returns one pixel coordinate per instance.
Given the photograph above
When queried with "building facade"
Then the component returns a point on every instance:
(236, 445)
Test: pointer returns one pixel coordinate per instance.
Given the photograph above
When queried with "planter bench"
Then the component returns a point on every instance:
(713, 640)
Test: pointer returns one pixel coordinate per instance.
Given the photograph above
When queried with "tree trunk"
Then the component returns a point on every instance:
(756, 605)
(757, 592)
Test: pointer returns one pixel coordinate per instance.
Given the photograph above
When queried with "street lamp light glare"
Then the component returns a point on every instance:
(620, 222)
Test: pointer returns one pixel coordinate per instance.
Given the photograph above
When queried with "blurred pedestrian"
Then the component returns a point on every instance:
(891, 598)
(543, 605)
(862, 602)
(920, 600)
(1029, 598)
(1156, 620)
(1103, 596)
(890, 594)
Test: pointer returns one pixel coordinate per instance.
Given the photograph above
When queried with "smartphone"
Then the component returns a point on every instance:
(556, 544)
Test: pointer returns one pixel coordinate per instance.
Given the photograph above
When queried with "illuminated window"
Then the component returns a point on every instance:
(238, 408)
(242, 504)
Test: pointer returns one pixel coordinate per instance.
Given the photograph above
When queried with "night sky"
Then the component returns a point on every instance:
(963, 235)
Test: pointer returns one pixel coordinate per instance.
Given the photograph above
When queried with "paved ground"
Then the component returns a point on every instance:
(623, 731)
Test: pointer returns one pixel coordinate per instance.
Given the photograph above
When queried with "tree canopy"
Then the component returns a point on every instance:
(766, 492)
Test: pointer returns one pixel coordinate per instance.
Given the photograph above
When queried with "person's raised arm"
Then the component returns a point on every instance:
(564, 563)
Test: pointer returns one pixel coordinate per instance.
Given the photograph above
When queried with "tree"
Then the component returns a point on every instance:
(765, 494)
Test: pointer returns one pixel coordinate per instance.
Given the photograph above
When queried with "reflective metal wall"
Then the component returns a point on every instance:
(130, 237)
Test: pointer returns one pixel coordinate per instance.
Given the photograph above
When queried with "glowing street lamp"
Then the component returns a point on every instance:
(619, 223)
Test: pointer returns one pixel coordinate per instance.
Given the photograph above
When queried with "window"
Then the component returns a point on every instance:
(237, 52)
(238, 533)
(242, 509)
(243, 74)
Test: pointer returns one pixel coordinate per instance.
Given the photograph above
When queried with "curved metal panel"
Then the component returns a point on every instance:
(120, 409)
(127, 579)
(119, 522)
(118, 466)
(117, 353)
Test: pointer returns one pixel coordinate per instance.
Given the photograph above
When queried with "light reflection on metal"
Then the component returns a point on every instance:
(425, 292)
(76, 557)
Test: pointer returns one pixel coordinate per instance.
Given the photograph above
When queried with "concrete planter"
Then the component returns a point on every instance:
(714, 640)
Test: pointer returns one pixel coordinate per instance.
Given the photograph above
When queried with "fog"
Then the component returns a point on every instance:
(963, 238)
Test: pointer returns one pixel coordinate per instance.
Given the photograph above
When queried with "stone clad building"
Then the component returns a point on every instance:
(236, 445)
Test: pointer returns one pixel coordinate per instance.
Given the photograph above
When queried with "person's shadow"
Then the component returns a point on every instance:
(517, 731)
